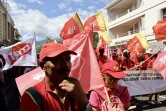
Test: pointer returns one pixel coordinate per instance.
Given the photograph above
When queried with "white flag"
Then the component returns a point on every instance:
(20, 54)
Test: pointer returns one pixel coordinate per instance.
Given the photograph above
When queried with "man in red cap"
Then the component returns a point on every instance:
(111, 75)
(58, 91)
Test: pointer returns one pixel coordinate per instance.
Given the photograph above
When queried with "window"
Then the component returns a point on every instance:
(9, 31)
(136, 26)
(164, 14)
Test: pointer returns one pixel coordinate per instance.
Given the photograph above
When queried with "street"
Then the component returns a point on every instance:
(143, 105)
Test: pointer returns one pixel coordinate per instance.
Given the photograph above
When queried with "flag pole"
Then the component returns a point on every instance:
(145, 60)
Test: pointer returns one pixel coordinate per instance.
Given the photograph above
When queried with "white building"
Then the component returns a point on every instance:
(6, 25)
(128, 17)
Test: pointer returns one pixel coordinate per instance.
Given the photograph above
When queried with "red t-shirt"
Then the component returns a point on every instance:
(102, 59)
(51, 101)
(150, 63)
(127, 64)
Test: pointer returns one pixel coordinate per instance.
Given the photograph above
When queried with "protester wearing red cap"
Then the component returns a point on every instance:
(59, 92)
(111, 75)
(126, 63)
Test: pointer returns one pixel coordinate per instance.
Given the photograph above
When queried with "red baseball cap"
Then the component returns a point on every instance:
(53, 49)
(112, 67)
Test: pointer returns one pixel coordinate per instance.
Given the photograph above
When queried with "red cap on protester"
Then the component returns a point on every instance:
(112, 67)
(53, 49)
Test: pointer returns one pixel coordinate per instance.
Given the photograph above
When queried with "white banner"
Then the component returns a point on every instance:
(143, 82)
(20, 54)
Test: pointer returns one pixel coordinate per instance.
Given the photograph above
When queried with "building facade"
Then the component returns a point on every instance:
(128, 17)
(6, 25)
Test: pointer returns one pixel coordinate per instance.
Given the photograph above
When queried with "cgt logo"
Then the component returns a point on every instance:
(163, 60)
(19, 51)
(71, 30)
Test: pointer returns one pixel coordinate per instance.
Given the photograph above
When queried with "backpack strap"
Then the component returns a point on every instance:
(36, 97)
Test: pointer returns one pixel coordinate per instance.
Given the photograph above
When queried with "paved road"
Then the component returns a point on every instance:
(143, 105)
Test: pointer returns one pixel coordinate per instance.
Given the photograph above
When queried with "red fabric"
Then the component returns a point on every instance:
(52, 50)
(97, 101)
(101, 44)
(92, 21)
(134, 45)
(150, 63)
(84, 66)
(51, 101)
(147, 57)
(102, 59)
(112, 67)
(70, 29)
(127, 66)
(159, 30)
(160, 64)
(143, 66)
(29, 79)
(134, 58)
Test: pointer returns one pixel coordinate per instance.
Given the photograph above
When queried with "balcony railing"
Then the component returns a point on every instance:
(126, 12)
(128, 33)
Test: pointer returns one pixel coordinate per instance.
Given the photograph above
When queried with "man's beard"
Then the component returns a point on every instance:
(63, 71)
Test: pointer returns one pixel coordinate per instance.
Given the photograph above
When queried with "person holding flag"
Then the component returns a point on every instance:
(111, 74)
(58, 91)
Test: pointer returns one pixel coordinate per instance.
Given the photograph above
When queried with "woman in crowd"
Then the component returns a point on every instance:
(111, 74)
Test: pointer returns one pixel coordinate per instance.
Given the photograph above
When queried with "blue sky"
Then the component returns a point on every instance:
(46, 19)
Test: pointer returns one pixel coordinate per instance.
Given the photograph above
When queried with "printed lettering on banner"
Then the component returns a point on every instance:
(19, 51)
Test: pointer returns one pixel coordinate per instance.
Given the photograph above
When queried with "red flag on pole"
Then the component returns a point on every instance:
(160, 64)
(160, 30)
(137, 43)
(72, 27)
(97, 21)
(84, 65)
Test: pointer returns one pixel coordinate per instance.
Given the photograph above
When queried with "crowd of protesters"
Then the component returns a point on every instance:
(128, 60)
(110, 66)
(131, 62)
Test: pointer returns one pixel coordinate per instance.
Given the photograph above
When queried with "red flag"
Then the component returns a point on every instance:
(137, 43)
(160, 64)
(97, 21)
(72, 27)
(101, 44)
(29, 79)
(160, 30)
(84, 65)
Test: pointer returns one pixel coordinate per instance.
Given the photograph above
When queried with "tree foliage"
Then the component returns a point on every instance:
(17, 35)
(95, 39)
